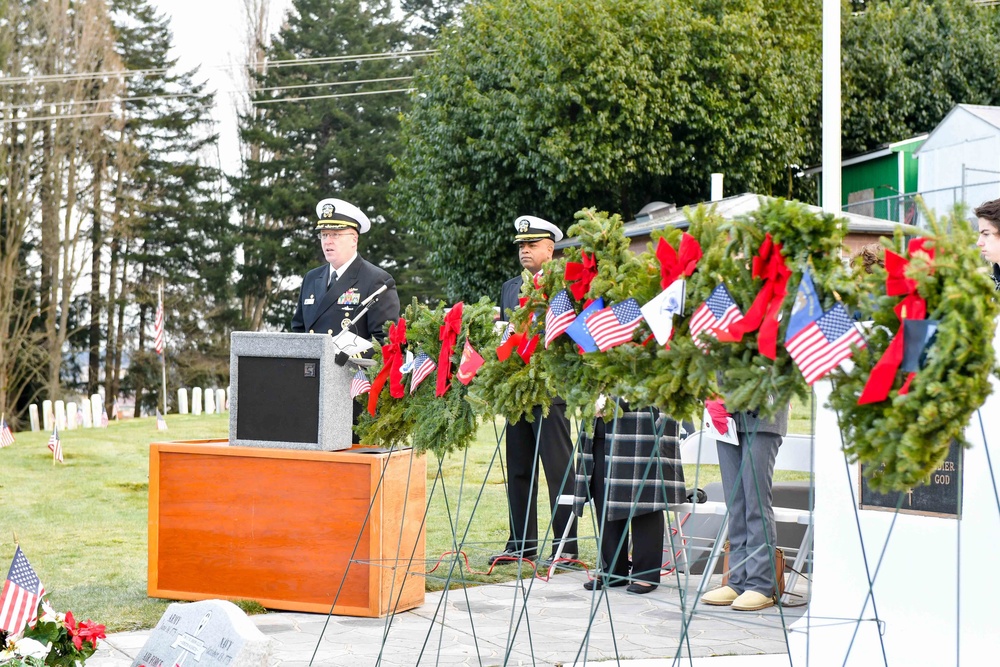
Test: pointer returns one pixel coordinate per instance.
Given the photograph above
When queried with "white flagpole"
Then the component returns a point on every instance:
(163, 357)
(831, 108)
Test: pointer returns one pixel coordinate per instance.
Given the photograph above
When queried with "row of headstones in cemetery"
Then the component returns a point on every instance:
(89, 412)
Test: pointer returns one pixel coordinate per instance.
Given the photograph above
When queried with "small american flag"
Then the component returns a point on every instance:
(823, 344)
(614, 325)
(104, 418)
(55, 446)
(718, 313)
(6, 437)
(21, 592)
(559, 316)
(507, 333)
(423, 366)
(159, 336)
(161, 422)
(360, 384)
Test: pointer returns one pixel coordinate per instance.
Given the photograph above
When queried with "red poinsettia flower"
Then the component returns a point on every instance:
(73, 630)
(91, 632)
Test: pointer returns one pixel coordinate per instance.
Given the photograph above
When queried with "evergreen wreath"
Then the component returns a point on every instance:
(509, 387)
(582, 378)
(422, 419)
(749, 380)
(904, 438)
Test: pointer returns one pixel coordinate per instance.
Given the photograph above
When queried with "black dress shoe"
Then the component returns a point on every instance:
(597, 583)
(508, 556)
(641, 589)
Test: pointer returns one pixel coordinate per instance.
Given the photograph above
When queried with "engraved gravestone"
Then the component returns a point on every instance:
(209, 633)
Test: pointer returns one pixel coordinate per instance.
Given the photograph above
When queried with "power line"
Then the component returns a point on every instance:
(169, 96)
(10, 121)
(327, 97)
(292, 62)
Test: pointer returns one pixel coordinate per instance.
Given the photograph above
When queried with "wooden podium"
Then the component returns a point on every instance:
(279, 526)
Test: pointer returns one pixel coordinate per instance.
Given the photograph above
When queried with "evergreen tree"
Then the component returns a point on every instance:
(547, 107)
(324, 126)
(177, 230)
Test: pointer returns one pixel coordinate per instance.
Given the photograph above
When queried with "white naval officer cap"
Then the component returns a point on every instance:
(530, 228)
(339, 214)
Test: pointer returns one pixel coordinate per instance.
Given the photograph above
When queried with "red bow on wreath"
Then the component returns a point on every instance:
(770, 266)
(912, 307)
(448, 335)
(673, 265)
(392, 362)
(525, 346)
(580, 275)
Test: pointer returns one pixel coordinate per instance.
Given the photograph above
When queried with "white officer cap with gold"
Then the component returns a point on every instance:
(339, 214)
(530, 228)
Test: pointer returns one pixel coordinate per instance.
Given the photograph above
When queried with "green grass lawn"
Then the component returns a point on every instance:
(83, 524)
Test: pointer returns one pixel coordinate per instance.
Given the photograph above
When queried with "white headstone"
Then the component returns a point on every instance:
(210, 633)
(33, 416)
(182, 401)
(71, 416)
(47, 416)
(60, 414)
(87, 416)
(220, 400)
(196, 402)
(928, 571)
(209, 401)
(97, 409)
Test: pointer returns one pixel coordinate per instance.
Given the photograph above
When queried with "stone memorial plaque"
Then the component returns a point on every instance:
(940, 496)
(209, 633)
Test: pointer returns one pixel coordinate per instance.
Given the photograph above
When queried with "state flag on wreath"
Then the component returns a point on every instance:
(161, 422)
(717, 314)
(578, 330)
(423, 366)
(615, 324)
(659, 312)
(55, 445)
(806, 309)
(470, 363)
(6, 436)
(360, 384)
(22, 591)
(558, 316)
(823, 344)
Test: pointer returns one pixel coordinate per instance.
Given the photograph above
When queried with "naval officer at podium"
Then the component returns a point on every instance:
(334, 294)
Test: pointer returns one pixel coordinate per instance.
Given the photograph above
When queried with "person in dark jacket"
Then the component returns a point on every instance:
(631, 469)
(545, 438)
(989, 236)
(333, 294)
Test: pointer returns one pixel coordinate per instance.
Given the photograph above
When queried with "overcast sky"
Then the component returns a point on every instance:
(210, 33)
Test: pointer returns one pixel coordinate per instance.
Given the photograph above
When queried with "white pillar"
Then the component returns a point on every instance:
(220, 400)
(831, 107)
(60, 410)
(71, 416)
(182, 401)
(97, 409)
(717, 186)
(196, 401)
(33, 416)
(209, 395)
(88, 415)
(47, 416)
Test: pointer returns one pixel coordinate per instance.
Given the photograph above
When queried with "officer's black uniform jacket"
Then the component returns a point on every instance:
(323, 310)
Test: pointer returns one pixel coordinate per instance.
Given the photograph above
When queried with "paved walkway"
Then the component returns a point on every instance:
(488, 625)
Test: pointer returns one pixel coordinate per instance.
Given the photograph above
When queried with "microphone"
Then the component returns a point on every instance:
(389, 283)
